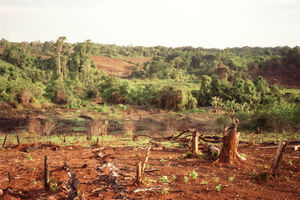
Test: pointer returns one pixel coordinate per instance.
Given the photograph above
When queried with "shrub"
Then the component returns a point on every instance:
(25, 97)
(174, 98)
(60, 96)
(278, 117)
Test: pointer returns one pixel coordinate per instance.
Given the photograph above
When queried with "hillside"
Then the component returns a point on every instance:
(113, 66)
(289, 78)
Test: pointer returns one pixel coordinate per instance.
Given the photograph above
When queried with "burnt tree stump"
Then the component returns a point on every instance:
(46, 175)
(229, 153)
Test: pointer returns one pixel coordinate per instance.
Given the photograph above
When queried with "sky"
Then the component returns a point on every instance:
(171, 23)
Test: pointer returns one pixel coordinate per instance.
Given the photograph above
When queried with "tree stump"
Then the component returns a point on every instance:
(278, 156)
(229, 153)
(138, 172)
(195, 142)
(46, 174)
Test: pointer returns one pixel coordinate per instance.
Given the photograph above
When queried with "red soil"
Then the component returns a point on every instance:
(238, 181)
(118, 67)
(289, 78)
(113, 66)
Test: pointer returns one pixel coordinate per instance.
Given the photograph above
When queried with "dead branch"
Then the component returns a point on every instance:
(3, 145)
(146, 189)
(73, 183)
(145, 160)
(17, 194)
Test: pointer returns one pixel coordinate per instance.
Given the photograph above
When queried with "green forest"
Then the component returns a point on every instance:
(183, 79)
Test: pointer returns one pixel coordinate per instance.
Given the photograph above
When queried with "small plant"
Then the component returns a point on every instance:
(165, 191)
(54, 187)
(173, 177)
(29, 157)
(203, 182)
(148, 181)
(218, 188)
(290, 162)
(165, 179)
(193, 174)
(162, 160)
(243, 155)
(147, 166)
(230, 178)
(267, 167)
(217, 179)
(185, 179)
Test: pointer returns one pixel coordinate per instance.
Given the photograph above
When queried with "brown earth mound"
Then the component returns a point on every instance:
(289, 78)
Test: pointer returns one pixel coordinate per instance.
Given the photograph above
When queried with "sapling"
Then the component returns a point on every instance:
(194, 175)
(219, 187)
(165, 179)
(165, 191)
(186, 179)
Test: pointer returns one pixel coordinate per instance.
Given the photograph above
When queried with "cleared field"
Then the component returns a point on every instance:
(289, 78)
(113, 66)
(118, 67)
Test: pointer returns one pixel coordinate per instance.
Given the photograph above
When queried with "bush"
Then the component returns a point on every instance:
(60, 96)
(25, 97)
(173, 98)
(278, 117)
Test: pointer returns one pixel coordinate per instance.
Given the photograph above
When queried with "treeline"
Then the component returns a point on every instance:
(178, 79)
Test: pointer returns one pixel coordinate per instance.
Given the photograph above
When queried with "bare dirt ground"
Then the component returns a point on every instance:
(118, 67)
(113, 66)
(289, 78)
(245, 180)
(240, 181)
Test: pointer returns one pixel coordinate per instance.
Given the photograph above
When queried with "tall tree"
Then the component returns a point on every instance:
(59, 45)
